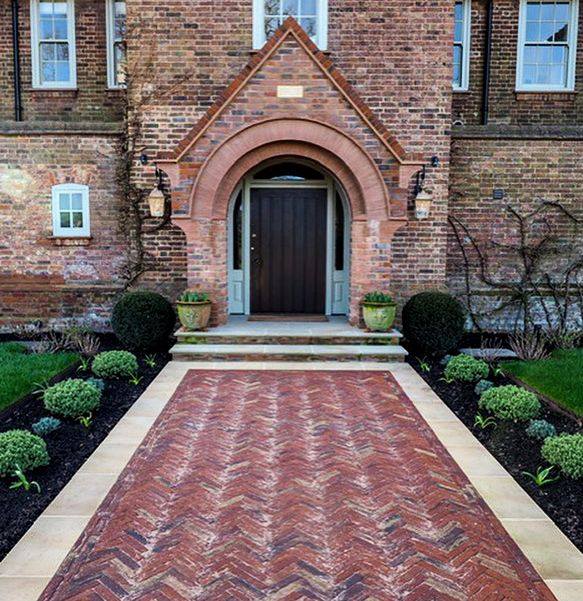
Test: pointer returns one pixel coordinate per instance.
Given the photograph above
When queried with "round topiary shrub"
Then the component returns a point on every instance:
(433, 322)
(72, 398)
(540, 429)
(482, 386)
(143, 320)
(23, 449)
(511, 403)
(566, 452)
(114, 364)
(465, 368)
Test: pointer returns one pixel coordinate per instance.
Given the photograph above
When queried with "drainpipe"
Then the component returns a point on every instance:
(487, 62)
(16, 59)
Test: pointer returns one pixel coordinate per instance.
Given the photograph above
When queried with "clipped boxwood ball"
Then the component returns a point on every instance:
(114, 364)
(22, 448)
(566, 452)
(143, 320)
(510, 402)
(464, 368)
(72, 398)
(433, 322)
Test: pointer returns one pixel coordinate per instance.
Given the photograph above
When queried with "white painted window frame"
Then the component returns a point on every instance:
(35, 54)
(466, 48)
(112, 84)
(572, 45)
(70, 232)
(259, 28)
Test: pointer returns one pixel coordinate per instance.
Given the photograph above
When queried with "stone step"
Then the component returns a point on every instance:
(351, 337)
(287, 352)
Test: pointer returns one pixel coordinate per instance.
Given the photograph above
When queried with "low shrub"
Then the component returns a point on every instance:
(433, 322)
(114, 364)
(23, 449)
(445, 360)
(72, 398)
(97, 382)
(540, 429)
(482, 386)
(45, 425)
(566, 452)
(510, 402)
(143, 320)
(465, 368)
(378, 297)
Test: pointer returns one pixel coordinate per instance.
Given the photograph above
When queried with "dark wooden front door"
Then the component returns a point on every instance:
(288, 250)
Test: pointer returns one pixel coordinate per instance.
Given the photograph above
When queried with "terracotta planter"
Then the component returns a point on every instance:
(194, 316)
(379, 317)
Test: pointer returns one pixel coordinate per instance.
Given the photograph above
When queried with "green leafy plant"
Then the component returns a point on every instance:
(115, 364)
(85, 364)
(482, 386)
(72, 398)
(143, 320)
(484, 422)
(193, 296)
(566, 452)
(97, 382)
(46, 425)
(135, 379)
(424, 365)
(150, 360)
(540, 429)
(22, 448)
(378, 298)
(464, 368)
(40, 387)
(433, 322)
(23, 481)
(542, 476)
(86, 420)
(510, 403)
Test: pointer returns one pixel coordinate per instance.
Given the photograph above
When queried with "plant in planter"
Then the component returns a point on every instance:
(194, 310)
(378, 311)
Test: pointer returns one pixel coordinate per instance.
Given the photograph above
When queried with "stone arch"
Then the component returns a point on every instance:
(335, 151)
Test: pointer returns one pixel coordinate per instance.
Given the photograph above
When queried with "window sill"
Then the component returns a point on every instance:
(72, 91)
(542, 95)
(70, 240)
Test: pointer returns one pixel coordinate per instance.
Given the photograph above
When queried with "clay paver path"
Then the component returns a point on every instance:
(293, 485)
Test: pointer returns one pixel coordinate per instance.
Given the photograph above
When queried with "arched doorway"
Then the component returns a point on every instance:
(288, 239)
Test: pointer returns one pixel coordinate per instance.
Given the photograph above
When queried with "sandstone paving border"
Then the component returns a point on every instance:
(30, 565)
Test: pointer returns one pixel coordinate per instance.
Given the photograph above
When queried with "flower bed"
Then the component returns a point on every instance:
(513, 448)
(68, 447)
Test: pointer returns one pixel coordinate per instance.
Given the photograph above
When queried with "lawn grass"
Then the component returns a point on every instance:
(20, 371)
(560, 378)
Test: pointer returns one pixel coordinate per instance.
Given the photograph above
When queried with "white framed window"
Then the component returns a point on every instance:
(312, 15)
(53, 43)
(70, 207)
(116, 49)
(461, 44)
(547, 45)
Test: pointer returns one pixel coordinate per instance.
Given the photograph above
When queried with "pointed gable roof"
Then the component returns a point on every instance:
(291, 28)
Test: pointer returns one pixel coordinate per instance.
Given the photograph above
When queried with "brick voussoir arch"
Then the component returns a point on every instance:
(333, 149)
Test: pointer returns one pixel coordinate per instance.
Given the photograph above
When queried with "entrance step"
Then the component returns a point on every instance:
(304, 337)
(287, 352)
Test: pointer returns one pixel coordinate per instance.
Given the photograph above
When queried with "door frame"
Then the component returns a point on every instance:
(245, 189)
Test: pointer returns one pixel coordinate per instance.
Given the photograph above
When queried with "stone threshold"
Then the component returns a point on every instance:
(30, 565)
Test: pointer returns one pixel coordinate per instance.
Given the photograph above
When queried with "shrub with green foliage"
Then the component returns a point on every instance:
(194, 296)
(22, 448)
(433, 322)
(445, 360)
(465, 368)
(510, 402)
(72, 398)
(114, 364)
(566, 452)
(46, 425)
(97, 382)
(482, 386)
(143, 320)
(540, 429)
(378, 298)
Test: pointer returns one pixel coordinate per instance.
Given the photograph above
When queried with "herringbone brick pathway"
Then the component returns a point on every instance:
(293, 485)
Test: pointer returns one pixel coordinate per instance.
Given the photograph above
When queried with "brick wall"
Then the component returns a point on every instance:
(506, 105)
(527, 172)
(91, 101)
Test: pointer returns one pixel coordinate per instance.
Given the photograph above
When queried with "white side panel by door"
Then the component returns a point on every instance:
(339, 292)
(236, 291)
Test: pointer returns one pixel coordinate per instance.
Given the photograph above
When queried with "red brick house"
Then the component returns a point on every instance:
(293, 151)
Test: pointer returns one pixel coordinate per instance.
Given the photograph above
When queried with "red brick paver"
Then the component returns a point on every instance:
(293, 485)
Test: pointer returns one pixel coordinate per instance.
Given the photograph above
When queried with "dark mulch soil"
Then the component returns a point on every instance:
(68, 447)
(516, 451)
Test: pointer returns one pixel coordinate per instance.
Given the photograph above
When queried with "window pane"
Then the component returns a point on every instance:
(62, 71)
(48, 72)
(270, 26)
(561, 33)
(532, 31)
(64, 202)
(62, 52)
(457, 65)
(65, 219)
(547, 31)
(290, 7)
(77, 219)
(308, 7)
(529, 74)
(309, 26)
(557, 75)
(47, 52)
(60, 29)
(272, 7)
(46, 29)
(76, 201)
(533, 11)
